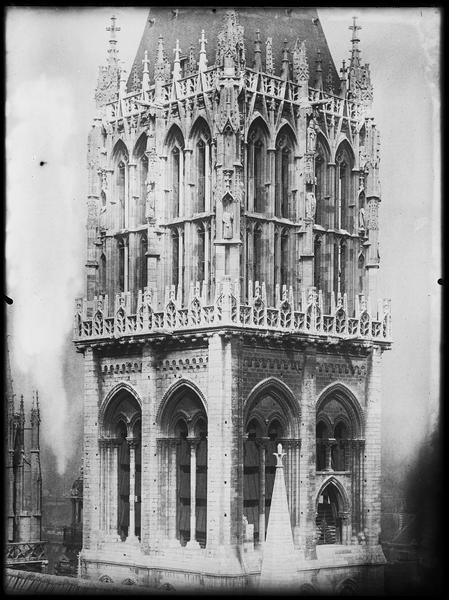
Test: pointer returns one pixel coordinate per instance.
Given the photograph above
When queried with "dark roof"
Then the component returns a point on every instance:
(186, 23)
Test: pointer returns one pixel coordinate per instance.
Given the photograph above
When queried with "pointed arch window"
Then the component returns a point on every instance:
(284, 270)
(321, 190)
(201, 176)
(361, 269)
(142, 264)
(176, 180)
(340, 263)
(201, 253)
(283, 173)
(256, 167)
(317, 263)
(257, 254)
(121, 193)
(122, 266)
(143, 176)
(102, 274)
(343, 187)
(175, 257)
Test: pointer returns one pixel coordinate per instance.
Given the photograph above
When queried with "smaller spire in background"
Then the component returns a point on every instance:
(177, 74)
(269, 66)
(202, 62)
(146, 73)
(113, 29)
(319, 71)
(257, 52)
(191, 66)
(329, 81)
(355, 50)
(285, 61)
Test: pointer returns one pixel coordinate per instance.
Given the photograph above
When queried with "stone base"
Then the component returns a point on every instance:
(337, 569)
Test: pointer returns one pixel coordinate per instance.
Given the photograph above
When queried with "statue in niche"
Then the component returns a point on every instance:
(362, 222)
(228, 219)
(311, 136)
(310, 205)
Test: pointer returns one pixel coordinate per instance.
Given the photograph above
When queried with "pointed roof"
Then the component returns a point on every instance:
(186, 24)
(278, 562)
(9, 381)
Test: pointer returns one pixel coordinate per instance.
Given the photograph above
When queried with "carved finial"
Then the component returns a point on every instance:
(230, 45)
(257, 52)
(191, 67)
(279, 456)
(202, 62)
(177, 62)
(285, 61)
(159, 66)
(269, 68)
(330, 81)
(122, 82)
(113, 29)
(319, 71)
(355, 51)
(146, 73)
(300, 63)
(136, 79)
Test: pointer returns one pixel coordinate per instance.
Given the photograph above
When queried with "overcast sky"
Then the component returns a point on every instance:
(52, 63)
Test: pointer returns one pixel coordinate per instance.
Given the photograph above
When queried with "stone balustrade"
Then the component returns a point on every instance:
(25, 552)
(98, 320)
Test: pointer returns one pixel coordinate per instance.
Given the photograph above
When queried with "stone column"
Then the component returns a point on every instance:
(192, 543)
(262, 451)
(132, 492)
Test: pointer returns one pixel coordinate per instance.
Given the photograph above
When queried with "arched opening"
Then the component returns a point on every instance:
(257, 254)
(284, 172)
(142, 268)
(202, 166)
(361, 273)
(120, 472)
(321, 189)
(343, 186)
(102, 275)
(185, 464)
(257, 165)
(122, 265)
(317, 263)
(340, 449)
(269, 420)
(141, 160)
(329, 516)
(202, 254)
(121, 191)
(175, 153)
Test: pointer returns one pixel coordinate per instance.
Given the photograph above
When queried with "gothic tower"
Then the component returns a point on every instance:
(24, 548)
(231, 304)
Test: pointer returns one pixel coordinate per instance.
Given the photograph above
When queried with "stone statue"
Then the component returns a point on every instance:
(310, 205)
(362, 224)
(227, 225)
(311, 136)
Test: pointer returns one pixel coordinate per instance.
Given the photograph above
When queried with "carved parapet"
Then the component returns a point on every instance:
(311, 317)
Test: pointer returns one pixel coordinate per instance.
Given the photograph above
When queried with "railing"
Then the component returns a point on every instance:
(93, 320)
(25, 552)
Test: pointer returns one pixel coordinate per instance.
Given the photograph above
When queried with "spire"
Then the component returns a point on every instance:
(202, 63)
(355, 51)
(136, 79)
(9, 382)
(122, 82)
(177, 62)
(285, 62)
(191, 67)
(319, 71)
(329, 81)
(278, 569)
(344, 78)
(112, 50)
(257, 52)
(269, 68)
(146, 73)
(108, 76)
(231, 45)
(300, 63)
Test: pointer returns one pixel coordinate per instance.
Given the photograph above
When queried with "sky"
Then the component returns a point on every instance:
(52, 60)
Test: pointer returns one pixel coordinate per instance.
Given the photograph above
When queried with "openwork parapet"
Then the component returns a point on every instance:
(95, 320)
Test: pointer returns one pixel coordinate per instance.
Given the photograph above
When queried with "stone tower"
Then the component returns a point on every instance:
(231, 304)
(25, 548)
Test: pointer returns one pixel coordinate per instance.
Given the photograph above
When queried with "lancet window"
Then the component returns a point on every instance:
(321, 191)
(175, 146)
(340, 263)
(283, 173)
(257, 165)
(343, 188)
(339, 451)
(257, 254)
(122, 278)
(183, 460)
(102, 274)
(142, 268)
(120, 467)
(317, 250)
